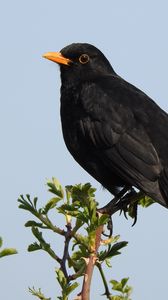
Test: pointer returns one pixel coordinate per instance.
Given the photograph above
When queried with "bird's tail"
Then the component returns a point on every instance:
(163, 184)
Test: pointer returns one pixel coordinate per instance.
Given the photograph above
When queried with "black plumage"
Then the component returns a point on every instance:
(112, 129)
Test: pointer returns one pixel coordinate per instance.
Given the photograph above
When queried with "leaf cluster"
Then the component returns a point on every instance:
(78, 205)
(123, 288)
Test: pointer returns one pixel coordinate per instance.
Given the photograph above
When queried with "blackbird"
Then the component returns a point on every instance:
(115, 131)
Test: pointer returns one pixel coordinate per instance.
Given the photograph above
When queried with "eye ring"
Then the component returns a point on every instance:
(84, 58)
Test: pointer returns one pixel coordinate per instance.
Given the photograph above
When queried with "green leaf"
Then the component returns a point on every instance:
(108, 263)
(115, 238)
(122, 287)
(128, 290)
(33, 223)
(124, 281)
(68, 189)
(28, 198)
(38, 294)
(71, 288)
(82, 217)
(35, 201)
(68, 209)
(112, 250)
(117, 286)
(113, 281)
(55, 187)
(117, 298)
(61, 278)
(146, 201)
(82, 193)
(116, 247)
(82, 241)
(1, 242)
(27, 204)
(77, 255)
(51, 204)
(7, 251)
(37, 234)
(34, 247)
(103, 219)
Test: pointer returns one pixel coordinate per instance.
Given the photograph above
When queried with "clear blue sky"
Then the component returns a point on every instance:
(133, 35)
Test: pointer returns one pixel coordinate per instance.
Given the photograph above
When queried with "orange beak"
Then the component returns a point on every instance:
(57, 57)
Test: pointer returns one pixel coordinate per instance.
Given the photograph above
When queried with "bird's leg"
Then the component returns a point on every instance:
(128, 203)
(110, 208)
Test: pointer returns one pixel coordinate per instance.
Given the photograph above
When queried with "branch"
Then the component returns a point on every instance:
(107, 292)
(91, 261)
(68, 237)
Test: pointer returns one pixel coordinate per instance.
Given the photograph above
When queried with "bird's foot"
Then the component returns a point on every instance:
(115, 204)
(126, 201)
(130, 205)
(109, 228)
(111, 208)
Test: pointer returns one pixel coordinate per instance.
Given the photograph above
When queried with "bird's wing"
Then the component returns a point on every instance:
(115, 127)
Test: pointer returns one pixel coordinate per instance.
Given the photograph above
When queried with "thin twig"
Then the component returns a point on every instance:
(52, 254)
(50, 226)
(77, 274)
(107, 292)
(68, 237)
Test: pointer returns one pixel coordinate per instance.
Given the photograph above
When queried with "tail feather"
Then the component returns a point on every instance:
(163, 184)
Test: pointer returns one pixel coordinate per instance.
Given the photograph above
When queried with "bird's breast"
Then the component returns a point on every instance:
(73, 116)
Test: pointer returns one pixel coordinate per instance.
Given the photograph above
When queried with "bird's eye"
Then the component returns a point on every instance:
(84, 58)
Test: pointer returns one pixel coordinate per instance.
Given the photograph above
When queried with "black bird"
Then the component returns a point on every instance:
(115, 131)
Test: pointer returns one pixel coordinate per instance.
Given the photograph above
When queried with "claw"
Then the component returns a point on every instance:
(135, 213)
(110, 228)
(126, 201)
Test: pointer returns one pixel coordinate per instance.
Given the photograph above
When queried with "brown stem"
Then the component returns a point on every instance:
(85, 294)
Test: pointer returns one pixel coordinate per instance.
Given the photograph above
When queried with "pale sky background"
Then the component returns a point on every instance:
(133, 35)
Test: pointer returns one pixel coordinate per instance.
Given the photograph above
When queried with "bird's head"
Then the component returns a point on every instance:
(80, 62)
